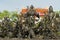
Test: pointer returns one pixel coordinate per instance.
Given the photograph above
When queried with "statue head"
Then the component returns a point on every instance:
(31, 7)
(50, 9)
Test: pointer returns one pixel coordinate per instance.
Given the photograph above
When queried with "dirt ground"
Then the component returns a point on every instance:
(25, 39)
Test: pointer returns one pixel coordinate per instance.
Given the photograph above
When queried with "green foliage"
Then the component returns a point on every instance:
(57, 12)
(12, 15)
(4, 13)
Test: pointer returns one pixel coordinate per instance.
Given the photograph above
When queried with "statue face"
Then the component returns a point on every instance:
(50, 9)
(31, 7)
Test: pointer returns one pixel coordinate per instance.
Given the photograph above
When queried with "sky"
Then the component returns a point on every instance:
(12, 5)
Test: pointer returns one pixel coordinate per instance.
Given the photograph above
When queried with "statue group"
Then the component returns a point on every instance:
(25, 26)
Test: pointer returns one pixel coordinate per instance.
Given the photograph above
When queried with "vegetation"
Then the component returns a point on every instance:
(12, 15)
